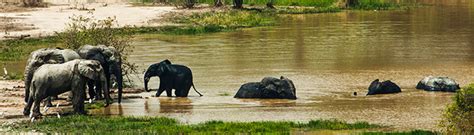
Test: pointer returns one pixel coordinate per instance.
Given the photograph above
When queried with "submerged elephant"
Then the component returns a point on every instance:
(45, 56)
(54, 79)
(172, 76)
(110, 60)
(385, 87)
(269, 87)
(431, 83)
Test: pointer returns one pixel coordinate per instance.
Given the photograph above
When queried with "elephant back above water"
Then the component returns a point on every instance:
(269, 87)
(45, 56)
(431, 83)
(385, 87)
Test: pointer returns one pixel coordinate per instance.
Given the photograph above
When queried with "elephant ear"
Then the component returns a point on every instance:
(89, 69)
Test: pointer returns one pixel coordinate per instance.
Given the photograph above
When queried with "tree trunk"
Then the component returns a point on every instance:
(238, 4)
(352, 3)
(31, 3)
(218, 3)
(270, 4)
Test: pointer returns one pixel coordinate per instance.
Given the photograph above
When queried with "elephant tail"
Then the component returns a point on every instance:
(196, 90)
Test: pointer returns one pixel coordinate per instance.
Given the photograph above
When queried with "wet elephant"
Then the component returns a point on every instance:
(172, 76)
(54, 79)
(110, 60)
(269, 87)
(385, 87)
(45, 56)
(431, 83)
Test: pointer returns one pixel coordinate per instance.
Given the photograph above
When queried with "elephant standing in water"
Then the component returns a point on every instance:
(172, 76)
(269, 87)
(110, 60)
(45, 56)
(54, 79)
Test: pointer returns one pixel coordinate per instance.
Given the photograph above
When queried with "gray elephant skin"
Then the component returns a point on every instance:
(269, 87)
(110, 60)
(45, 56)
(431, 83)
(172, 76)
(54, 79)
(385, 87)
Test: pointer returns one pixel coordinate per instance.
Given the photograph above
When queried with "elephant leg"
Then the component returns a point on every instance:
(28, 105)
(78, 100)
(98, 90)
(48, 100)
(182, 90)
(90, 85)
(158, 93)
(168, 92)
(36, 108)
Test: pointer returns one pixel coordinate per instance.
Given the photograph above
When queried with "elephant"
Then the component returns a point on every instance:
(431, 83)
(269, 87)
(172, 76)
(110, 60)
(385, 87)
(45, 56)
(54, 79)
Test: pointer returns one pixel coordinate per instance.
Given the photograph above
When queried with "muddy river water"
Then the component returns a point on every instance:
(328, 57)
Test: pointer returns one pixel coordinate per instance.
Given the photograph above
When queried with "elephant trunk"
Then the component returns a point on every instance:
(146, 83)
(29, 71)
(105, 86)
(119, 77)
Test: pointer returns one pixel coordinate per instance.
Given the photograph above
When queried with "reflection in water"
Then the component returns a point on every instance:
(175, 105)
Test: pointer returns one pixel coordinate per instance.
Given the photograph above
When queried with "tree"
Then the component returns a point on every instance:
(270, 4)
(238, 4)
(218, 3)
(352, 3)
(190, 3)
(32, 3)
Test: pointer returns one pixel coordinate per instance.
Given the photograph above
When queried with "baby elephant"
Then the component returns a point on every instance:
(385, 87)
(269, 87)
(172, 76)
(54, 79)
(431, 83)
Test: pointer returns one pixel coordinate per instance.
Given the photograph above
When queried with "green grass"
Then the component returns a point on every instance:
(376, 5)
(307, 10)
(133, 125)
(16, 49)
(414, 132)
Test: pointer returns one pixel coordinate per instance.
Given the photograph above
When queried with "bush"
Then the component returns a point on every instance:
(459, 116)
(84, 30)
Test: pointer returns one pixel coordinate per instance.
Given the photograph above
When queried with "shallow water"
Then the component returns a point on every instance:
(328, 57)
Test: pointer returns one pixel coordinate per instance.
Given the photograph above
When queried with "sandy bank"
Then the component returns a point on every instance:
(41, 22)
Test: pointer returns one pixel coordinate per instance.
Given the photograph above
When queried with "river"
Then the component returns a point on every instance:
(328, 57)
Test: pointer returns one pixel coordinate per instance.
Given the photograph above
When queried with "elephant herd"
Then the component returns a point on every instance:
(52, 71)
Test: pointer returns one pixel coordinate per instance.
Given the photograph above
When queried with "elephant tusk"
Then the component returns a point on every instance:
(57, 113)
(32, 119)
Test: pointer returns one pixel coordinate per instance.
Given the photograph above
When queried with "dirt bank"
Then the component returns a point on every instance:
(12, 95)
(40, 22)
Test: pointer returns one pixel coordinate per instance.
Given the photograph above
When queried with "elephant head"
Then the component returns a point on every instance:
(109, 58)
(93, 70)
(157, 69)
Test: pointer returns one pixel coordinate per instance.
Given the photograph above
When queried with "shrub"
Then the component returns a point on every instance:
(85, 30)
(459, 116)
